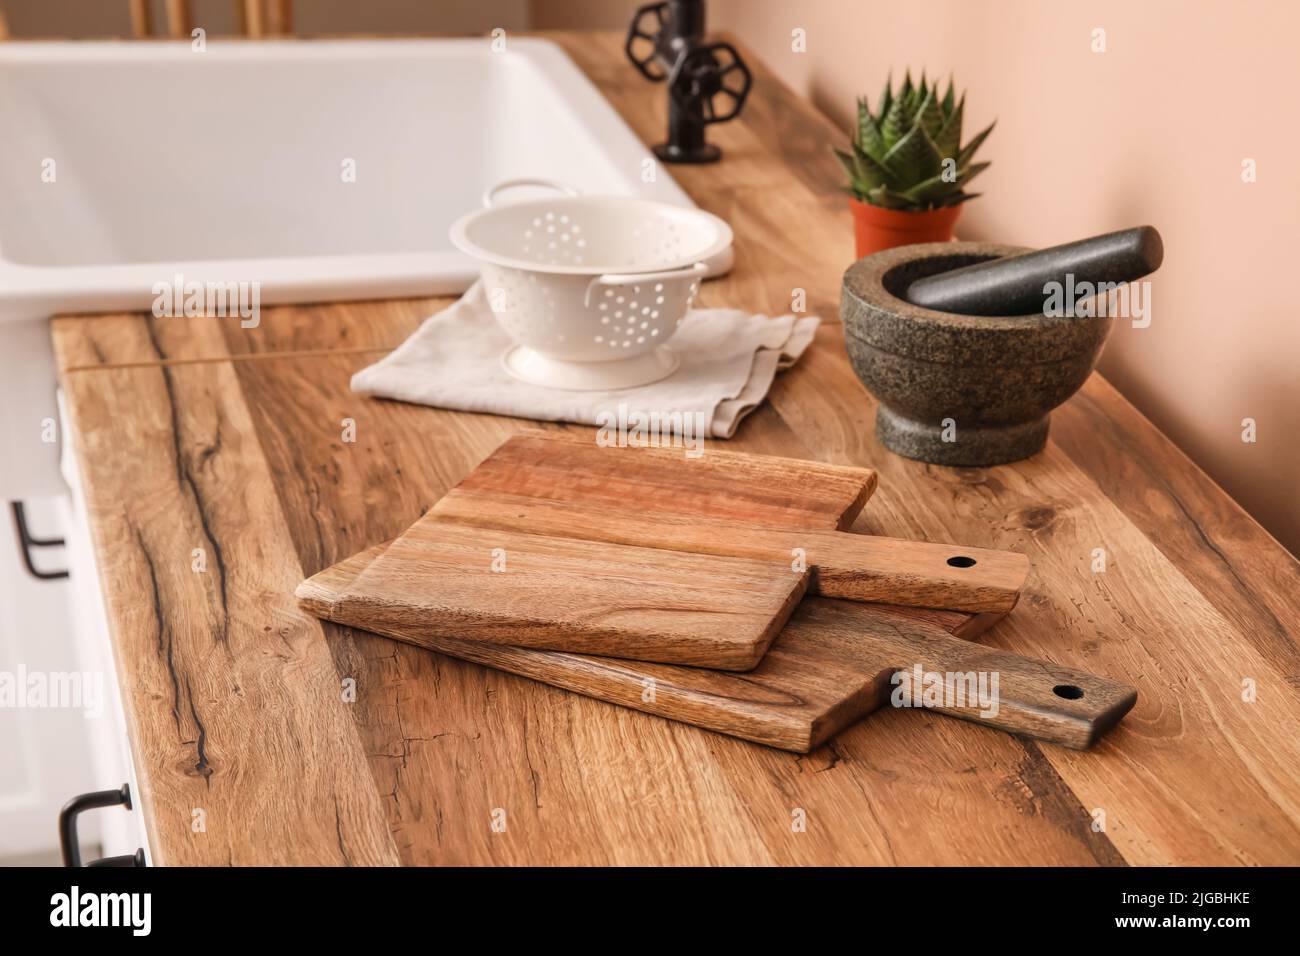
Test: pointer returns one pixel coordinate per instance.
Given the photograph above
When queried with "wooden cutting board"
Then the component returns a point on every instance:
(727, 504)
(556, 542)
(856, 567)
(830, 666)
(498, 583)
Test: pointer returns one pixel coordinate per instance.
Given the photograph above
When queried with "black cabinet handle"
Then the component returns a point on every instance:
(27, 541)
(130, 859)
(68, 842)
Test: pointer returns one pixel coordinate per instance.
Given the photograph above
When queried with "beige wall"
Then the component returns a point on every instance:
(1152, 131)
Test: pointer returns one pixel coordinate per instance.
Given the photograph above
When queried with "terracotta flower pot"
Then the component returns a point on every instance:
(876, 228)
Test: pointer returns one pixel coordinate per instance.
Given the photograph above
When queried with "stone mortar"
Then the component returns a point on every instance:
(995, 377)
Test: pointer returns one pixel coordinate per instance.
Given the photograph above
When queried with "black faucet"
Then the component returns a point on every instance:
(696, 72)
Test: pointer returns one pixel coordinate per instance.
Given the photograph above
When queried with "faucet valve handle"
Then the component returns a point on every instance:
(700, 77)
(648, 27)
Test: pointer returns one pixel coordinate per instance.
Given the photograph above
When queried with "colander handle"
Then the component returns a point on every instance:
(491, 194)
(695, 271)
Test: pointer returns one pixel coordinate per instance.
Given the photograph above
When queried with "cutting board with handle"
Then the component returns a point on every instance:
(558, 543)
(727, 504)
(834, 663)
(552, 590)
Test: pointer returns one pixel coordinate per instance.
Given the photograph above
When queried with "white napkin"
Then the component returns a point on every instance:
(728, 361)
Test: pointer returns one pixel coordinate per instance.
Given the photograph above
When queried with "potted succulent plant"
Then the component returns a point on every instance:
(907, 168)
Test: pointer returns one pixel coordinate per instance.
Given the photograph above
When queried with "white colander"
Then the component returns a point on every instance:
(590, 287)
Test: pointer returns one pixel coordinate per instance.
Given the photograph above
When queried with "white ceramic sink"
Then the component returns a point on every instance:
(229, 164)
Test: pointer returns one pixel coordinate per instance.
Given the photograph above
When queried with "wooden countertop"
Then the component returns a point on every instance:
(196, 434)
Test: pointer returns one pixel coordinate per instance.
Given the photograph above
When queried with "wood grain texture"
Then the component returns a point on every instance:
(1195, 598)
(853, 566)
(834, 663)
(769, 491)
(533, 590)
(724, 504)
(230, 692)
(730, 505)
(603, 597)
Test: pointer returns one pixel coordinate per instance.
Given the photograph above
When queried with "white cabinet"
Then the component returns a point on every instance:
(45, 751)
(121, 832)
(62, 727)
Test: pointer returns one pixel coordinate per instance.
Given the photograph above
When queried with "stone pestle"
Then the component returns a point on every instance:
(1042, 280)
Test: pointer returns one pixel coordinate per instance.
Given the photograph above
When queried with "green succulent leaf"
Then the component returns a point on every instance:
(912, 102)
(914, 157)
(935, 190)
(928, 115)
(967, 173)
(869, 138)
(886, 198)
(948, 139)
(858, 185)
(878, 167)
(947, 103)
(864, 173)
(896, 122)
(930, 191)
(969, 149)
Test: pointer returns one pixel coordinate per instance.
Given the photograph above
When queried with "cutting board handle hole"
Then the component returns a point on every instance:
(1068, 691)
(961, 561)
